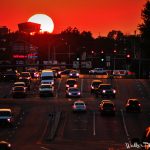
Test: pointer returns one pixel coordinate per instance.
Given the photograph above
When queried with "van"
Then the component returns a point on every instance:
(47, 77)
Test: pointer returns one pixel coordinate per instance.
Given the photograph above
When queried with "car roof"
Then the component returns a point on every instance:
(79, 101)
(70, 79)
(107, 101)
(19, 86)
(19, 83)
(97, 80)
(5, 109)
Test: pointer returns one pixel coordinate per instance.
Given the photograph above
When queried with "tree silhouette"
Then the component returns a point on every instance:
(145, 30)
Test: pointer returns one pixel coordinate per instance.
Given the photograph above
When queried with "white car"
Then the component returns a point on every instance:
(46, 90)
(79, 106)
(97, 71)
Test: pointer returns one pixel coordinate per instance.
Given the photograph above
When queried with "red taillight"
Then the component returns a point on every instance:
(75, 85)
(74, 107)
(139, 104)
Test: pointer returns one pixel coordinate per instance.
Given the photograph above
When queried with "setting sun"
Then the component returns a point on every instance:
(47, 24)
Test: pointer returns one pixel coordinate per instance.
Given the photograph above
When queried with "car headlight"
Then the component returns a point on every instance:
(104, 91)
(69, 93)
(114, 91)
(79, 93)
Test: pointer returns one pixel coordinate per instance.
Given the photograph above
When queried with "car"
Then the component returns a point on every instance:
(46, 90)
(106, 90)
(9, 75)
(19, 91)
(79, 106)
(5, 145)
(73, 92)
(95, 84)
(6, 116)
(20, 84)
(107, 107)
(66, 71)
(74, 74)
(97, 71)
(71, 83)
(25, 77)
(133, 105)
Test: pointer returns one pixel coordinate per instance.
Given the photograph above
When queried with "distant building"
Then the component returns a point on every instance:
(4, 30)
(29, 27)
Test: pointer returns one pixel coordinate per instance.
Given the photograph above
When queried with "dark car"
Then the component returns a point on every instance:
(106, 90)
(6, 116)
(25, 77)
(74, 74)
(19, 91)
(94, 85)
(66, 72)
(5, 145)
(71, 83)
(73, 92)
(133, 105)
(9, 75)
(107, 107)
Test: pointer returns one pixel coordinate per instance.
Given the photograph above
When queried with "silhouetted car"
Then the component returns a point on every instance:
(79, 106)
(107, 107)
(73, 92)
(106, 90)
(74, 74)
(19, 91)
(133, 105)
(25, 77)
(94, 85)
(66, 71)
(10, 75)
(5, 145)
(71, 83)
(6, 116)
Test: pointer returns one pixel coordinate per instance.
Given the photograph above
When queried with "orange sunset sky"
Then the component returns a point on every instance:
(97, 16)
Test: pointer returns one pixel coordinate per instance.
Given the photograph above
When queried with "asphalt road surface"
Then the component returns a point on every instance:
(48, 123)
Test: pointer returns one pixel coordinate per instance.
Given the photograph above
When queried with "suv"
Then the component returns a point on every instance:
(94, 85)
(107, 107)
(106, 90)
(133, 105)
(6, 116)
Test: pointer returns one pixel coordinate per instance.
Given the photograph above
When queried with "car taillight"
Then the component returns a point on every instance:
(77, 74)
(67, 85)
(75, 85)
(9, 119)
(127, 104)
(104, 91)
(114, 91)
(92, 87)
(139, 104)
(74, 106)
(79, 93)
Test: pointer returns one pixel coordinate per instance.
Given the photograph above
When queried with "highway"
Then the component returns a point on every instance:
(48, 123)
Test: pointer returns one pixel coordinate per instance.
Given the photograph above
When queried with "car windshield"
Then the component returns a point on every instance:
(73, 90)
(46, 77)
(108, 105)
(105, 87)
(133, 102)
(19, 88)
(45, 86)
(96, 83)
(25, 74)
(81, 104)
(71, 82)
(5, 113)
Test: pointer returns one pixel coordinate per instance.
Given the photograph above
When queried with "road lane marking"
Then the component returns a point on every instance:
(124, 124)
(94, 130)
(81, 85)
(58, 87)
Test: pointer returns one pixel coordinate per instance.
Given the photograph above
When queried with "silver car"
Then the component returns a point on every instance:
(73, 92)
(79, 106)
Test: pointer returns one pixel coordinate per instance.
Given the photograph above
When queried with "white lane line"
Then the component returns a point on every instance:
(94, 130)
(81, 85)
(124, 124)
(58, 87)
